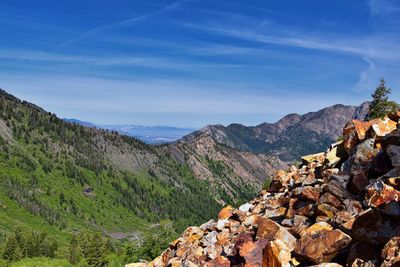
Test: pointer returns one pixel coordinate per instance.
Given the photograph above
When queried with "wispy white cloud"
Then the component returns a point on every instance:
(371, 47)
(365, 75)
(125, 23)
(109, 61)
(383, 7)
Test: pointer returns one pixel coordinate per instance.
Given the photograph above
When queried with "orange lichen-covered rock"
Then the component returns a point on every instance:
(383, 127)
(252, 252)
(225, 213)
(385, 197)
(321, 243)
(270, 230)
(354, 132)
(276, 254)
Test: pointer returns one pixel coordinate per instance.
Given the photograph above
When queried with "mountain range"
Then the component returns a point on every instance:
(289, 138)
(63, 178)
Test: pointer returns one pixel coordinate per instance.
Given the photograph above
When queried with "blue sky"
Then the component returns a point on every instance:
(196, 62)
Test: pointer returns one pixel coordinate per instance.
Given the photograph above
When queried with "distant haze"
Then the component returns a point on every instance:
(148, 134)
(152, 134)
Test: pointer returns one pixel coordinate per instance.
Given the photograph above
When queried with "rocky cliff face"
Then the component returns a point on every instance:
(292, 136)
(235, 176)
(339, 208)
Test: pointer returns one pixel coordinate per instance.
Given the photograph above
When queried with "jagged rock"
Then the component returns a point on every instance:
(311, 193)
(335, 155)
(319, 158)
(221, 224)
(192, 234)
(391, 253)
(252, 252)
(321, 243)
(270, 230)
(384, 197)
(276, 254)
(372, 228)
(326, 210)
(210, 225)
(384, 127)
(337, 189)
(225, 213)
(364, 155)
(330, 199)
(354, 132)
(246, 207)
(213, 251)
(209, 239)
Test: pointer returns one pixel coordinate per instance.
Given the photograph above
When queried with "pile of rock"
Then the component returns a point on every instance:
(339, 208)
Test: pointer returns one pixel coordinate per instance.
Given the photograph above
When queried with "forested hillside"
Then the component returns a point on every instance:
(62, 179)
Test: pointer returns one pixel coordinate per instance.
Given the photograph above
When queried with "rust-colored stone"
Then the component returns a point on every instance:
(252, 252)
(391, 253)
(321, 243)
(371, 227)
(270, 230)
(311, 193)
(276, 254)
(219, 261)
(384, 196)
(354, 132)
(282, 177)
(225, 213)
(330, 199)
(327, 210)
(383, 127)
(192, 234)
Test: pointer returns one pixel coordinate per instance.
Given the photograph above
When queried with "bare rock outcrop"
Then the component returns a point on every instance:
(339, 208)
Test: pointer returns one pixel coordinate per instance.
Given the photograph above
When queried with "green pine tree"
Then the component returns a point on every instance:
(9, 248)
(96, 254)
(74, 253)
(380, 105)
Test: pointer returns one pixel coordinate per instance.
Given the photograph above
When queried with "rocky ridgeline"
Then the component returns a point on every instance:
(339, 208)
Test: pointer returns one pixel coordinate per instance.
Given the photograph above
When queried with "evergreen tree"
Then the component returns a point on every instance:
(109, 247)
(380, 105)
(96, 254)
(74, 253)
(10, 248)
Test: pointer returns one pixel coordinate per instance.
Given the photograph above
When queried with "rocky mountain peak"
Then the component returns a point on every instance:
(338, 208)
(291, 136)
